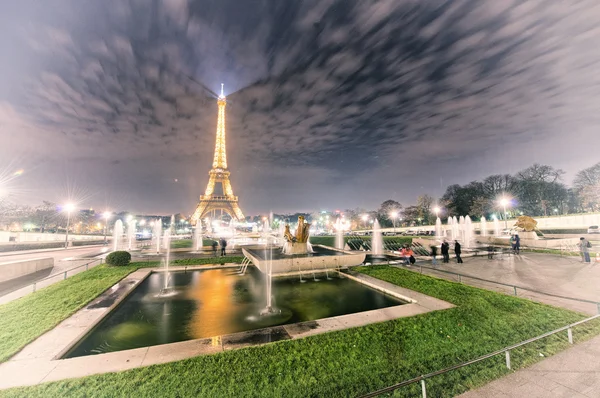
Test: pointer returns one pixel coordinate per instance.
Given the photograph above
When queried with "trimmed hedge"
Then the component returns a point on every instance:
(118, 258)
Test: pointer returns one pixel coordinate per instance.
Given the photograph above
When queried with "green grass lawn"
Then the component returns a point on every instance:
(25, 319)
(358, 360)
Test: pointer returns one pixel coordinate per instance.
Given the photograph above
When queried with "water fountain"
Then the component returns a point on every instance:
(297, 255)
(496, 227)
(339, 235)
(131, 234)
(198, 236)
(117, 235)
(483, 226)
(166, 291)
(376, 240)
(438, 228)
(455, 229)
(461, 229)
(468, 235)
(157, 233)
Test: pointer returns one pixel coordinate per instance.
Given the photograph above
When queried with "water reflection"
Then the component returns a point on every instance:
(211, 303)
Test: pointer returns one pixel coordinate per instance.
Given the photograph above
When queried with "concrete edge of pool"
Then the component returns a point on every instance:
(39, 361)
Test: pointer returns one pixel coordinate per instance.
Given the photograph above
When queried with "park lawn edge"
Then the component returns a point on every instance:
(211, 368)
(25, 319)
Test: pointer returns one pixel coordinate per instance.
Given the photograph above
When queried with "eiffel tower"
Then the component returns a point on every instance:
(219, 194)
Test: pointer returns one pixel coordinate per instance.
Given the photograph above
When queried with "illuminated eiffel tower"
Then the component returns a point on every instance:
(219, 194)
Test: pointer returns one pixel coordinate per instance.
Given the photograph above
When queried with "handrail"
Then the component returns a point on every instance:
(506, 350)
(64, 273)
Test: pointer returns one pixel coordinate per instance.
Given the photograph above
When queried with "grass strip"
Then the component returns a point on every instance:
(25, 319)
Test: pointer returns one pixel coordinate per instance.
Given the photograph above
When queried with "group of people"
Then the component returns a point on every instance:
(408, 254)
(445, 249)
(222, 243)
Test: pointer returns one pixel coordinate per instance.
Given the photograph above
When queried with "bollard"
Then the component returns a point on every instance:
(34, 287)
(514, 287)
(86, 267)
(423, 389)
(459, 279)
(570, 334)
(598, 308)
(508, 359)
(65, 275)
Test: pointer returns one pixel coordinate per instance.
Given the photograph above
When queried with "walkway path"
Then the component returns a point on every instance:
(560, 275)
(64, 259)
(572, 373)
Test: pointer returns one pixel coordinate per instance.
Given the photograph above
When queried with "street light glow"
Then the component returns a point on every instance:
(69, 207)
(106, 215)
(365, 217)
(436, 210)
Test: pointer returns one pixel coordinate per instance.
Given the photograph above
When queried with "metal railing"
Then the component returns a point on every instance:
(505, 351)
(63, 273)
(514, 287)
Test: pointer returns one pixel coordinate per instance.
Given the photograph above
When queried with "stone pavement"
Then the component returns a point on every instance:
(560, 275)
(572, 373)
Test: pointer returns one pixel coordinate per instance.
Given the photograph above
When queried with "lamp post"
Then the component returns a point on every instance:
(106, 217)
(504, 202)
(68, 208)
(394, 215)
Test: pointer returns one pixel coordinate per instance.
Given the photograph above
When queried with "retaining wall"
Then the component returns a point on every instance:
(14, 269)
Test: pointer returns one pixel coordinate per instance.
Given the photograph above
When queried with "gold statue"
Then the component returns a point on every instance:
(301, 233)
(526, 223)
(288, 235)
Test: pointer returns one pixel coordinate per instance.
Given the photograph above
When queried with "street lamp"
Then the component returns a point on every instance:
(365, 218)
(106, 217)
(436, 210)
(69, 207)
(504, 202)
(394, 215)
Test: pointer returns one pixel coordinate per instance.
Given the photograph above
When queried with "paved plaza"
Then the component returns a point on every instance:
(559, 275)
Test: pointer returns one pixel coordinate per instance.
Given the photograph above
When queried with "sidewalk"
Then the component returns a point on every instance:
(572, 373)
(54, 249)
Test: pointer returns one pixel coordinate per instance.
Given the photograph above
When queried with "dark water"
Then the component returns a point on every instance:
(216, 302)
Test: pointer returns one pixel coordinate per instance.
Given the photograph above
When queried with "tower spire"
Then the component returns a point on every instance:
(219, 199)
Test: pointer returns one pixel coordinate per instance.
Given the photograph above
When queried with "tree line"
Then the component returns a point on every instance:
(537, 190)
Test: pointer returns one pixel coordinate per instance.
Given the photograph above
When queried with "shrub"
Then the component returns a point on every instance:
(119, 259)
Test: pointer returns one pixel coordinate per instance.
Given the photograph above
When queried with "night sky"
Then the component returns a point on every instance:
(333, 104)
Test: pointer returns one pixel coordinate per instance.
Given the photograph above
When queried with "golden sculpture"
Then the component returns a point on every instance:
(526, 223)
(301, 233)
(288, 235)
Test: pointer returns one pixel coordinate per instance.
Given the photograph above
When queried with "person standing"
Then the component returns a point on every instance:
(223, 246)
(446, 251)
(513, 244)
(457, 251)
(517, 244)
(433, 255)
(214, 247)
(584, 249)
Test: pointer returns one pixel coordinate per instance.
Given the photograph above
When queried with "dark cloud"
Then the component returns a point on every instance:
(331, 103)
